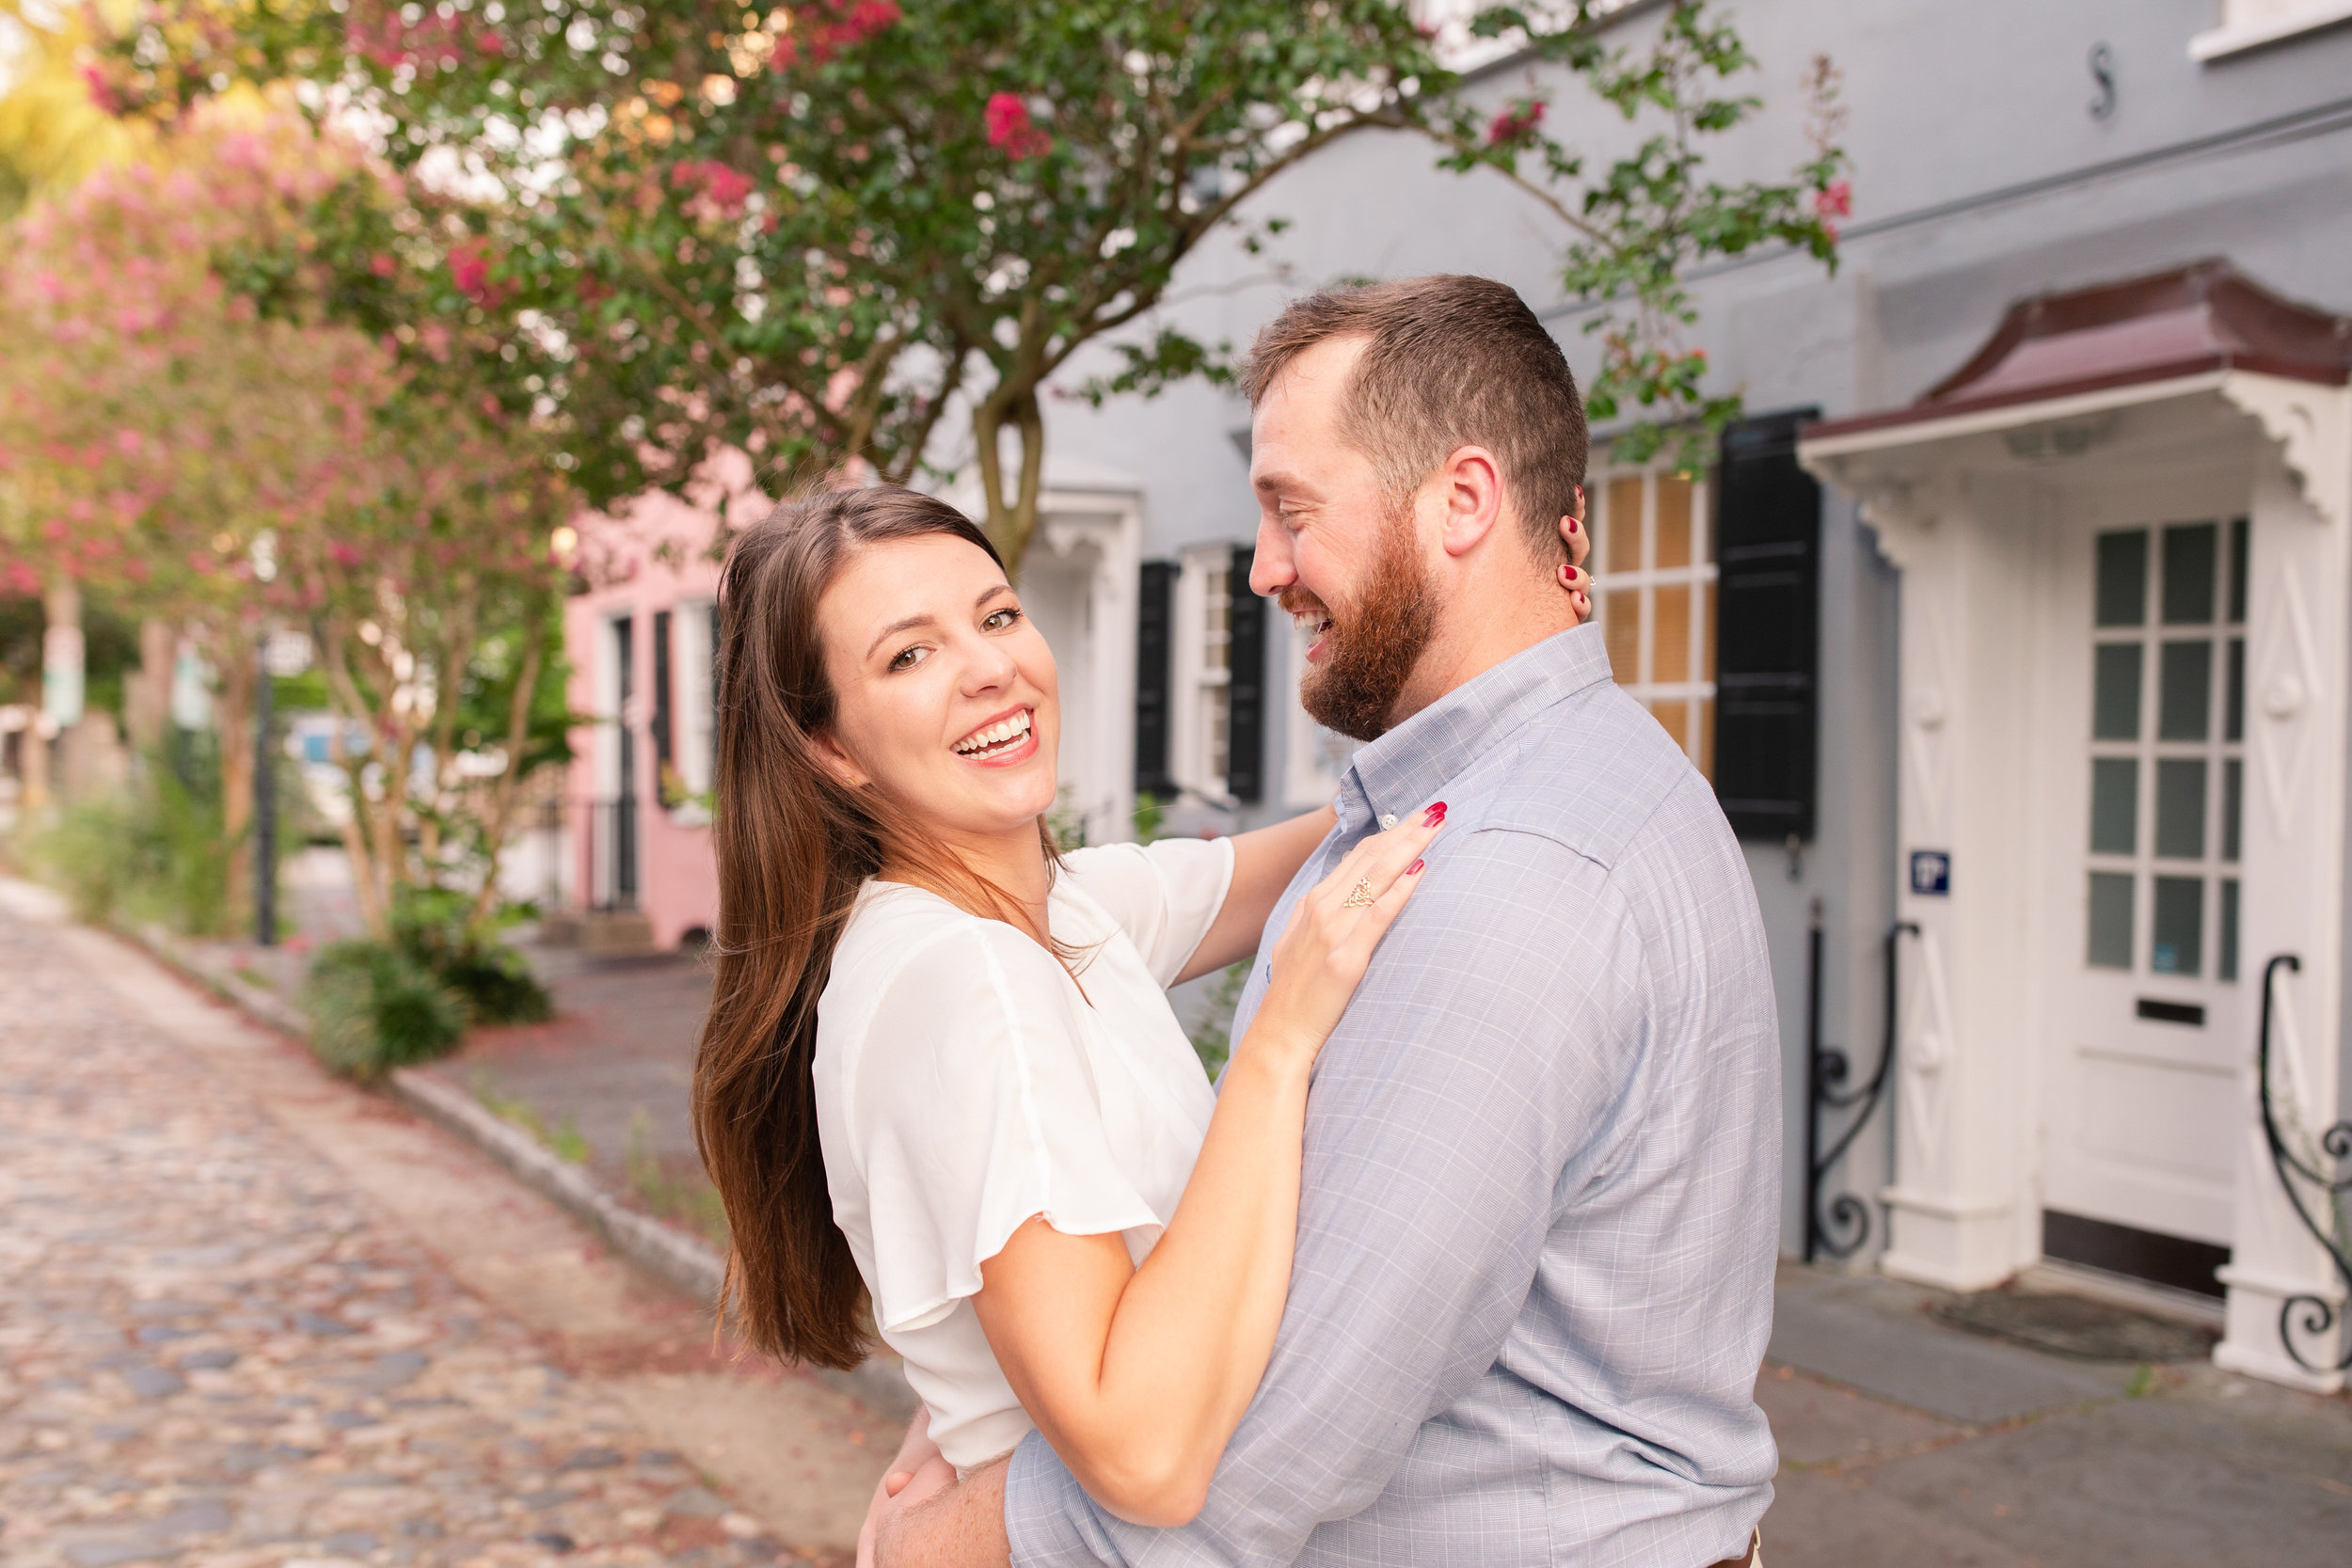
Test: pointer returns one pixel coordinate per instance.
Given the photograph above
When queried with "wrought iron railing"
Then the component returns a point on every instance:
(2328, 1171)
(1841, 1229)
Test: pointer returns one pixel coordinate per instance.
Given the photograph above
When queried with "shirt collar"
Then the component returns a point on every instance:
(1404, 769)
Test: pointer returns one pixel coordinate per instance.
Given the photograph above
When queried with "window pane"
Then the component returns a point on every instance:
(1673, 522)
(2114, 806)
(2225, 966)
(2188, 572)
(2233, 693)
(2110, 920)
(2239, 562)
(2115, 692)
(1706, 631)
(2177, 943)
(2180, 808)
(2124, 578)
(1675, 717)
(1706, 739)
(1621, 633)
(2185, 692)
(1670, 643)
(2232, 786)
(1622, 527)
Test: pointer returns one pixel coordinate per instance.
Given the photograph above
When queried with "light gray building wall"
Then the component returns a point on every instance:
(2000, 151)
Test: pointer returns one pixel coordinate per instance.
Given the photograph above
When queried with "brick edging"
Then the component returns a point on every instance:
(684, 1260)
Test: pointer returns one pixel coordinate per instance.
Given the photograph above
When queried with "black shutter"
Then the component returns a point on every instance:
(1245, 694)
(1767, 531)
(1154, 627)
(662, 749)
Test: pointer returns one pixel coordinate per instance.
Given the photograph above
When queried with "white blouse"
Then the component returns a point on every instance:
(965, 1084)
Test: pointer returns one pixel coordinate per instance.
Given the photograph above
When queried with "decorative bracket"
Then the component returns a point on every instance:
(1841, 1229)
(2313, 424)
(2317, 1316)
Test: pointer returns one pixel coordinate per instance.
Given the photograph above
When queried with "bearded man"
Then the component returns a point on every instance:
(1540, 1203)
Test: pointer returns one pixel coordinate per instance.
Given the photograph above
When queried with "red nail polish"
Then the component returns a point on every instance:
(1434, 816)
(1414, 869)
(1571, 524)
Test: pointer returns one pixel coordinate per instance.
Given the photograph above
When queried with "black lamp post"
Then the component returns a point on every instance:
(264, 806)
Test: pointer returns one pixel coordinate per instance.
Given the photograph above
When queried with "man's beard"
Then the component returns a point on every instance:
(1370, 654)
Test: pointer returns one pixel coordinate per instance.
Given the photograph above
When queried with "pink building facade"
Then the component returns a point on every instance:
(640, 643)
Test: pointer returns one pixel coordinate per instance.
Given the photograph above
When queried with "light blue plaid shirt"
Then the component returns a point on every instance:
(1542, 1187)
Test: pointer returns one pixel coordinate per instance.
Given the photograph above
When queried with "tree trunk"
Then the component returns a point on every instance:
(146, 695)
(503, 791)
(1011, 521)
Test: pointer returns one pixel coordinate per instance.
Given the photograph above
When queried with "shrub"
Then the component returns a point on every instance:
(373, 1009)
(153, 851)
(431, 928)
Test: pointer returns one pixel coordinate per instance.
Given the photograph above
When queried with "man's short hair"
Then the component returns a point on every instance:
(1449, 361)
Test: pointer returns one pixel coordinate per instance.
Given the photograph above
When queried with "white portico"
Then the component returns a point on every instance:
(2122, 530)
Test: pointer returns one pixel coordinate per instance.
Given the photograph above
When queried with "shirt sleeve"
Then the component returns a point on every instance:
(975, 1110)
(1417, 1244)
(1165, 895)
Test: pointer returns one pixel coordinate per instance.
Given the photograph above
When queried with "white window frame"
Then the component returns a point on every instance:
(1193, 683)
(1614, 588)
(696, 735)
(2252, 23)
(1312, 757)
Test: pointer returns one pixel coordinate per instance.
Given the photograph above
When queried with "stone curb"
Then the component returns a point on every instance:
(684, 1260)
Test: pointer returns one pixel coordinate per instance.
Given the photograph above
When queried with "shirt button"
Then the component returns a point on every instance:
(1388, 820)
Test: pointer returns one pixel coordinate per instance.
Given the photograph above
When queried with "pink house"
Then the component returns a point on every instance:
(640, 643)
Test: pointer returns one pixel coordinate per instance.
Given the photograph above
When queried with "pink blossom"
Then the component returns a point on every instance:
(1834, 200)
(101, 92)
(1514, 121)
(381, 264)
(720, 191)
(470, 269)
(1011, 130)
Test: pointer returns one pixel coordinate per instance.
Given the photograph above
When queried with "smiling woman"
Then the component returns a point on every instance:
(941, 1073)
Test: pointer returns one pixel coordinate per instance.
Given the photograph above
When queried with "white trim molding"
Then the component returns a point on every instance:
(2252, 23)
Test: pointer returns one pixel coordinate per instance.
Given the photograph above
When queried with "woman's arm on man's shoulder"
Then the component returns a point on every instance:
(1264, 861)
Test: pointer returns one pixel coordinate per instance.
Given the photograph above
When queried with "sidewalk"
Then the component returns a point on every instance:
(1906, 1442)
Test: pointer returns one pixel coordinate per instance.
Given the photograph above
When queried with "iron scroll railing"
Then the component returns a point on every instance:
(1841, 1229)
(2328, 1171)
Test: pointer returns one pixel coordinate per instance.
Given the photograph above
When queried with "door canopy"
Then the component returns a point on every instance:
(2189, 321)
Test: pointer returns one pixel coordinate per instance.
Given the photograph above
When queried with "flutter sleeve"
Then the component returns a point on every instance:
(1163, 895)
(975, 1109)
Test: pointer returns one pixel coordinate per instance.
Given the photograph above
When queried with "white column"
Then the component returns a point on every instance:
(1958, 1209)
(2293, 860)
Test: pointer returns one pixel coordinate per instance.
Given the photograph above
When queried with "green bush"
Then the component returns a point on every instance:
(154, 851)
(373, 1009)
(430, 928)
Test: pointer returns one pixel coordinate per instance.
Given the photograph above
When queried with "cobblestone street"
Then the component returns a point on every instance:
(251, 1318)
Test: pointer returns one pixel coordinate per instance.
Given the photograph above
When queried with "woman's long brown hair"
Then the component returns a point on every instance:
(794, 843)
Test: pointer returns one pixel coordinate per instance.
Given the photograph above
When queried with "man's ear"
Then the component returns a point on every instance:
(1472, 487)
(833, 760)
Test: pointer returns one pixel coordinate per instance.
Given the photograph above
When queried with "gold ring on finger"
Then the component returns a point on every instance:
(1359, 896)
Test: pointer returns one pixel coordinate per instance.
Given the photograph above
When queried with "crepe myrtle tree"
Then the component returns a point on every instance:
(251, 441)
(199, 434)
(831, 233)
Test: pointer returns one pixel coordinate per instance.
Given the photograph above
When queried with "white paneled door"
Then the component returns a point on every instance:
(2148, 1017)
